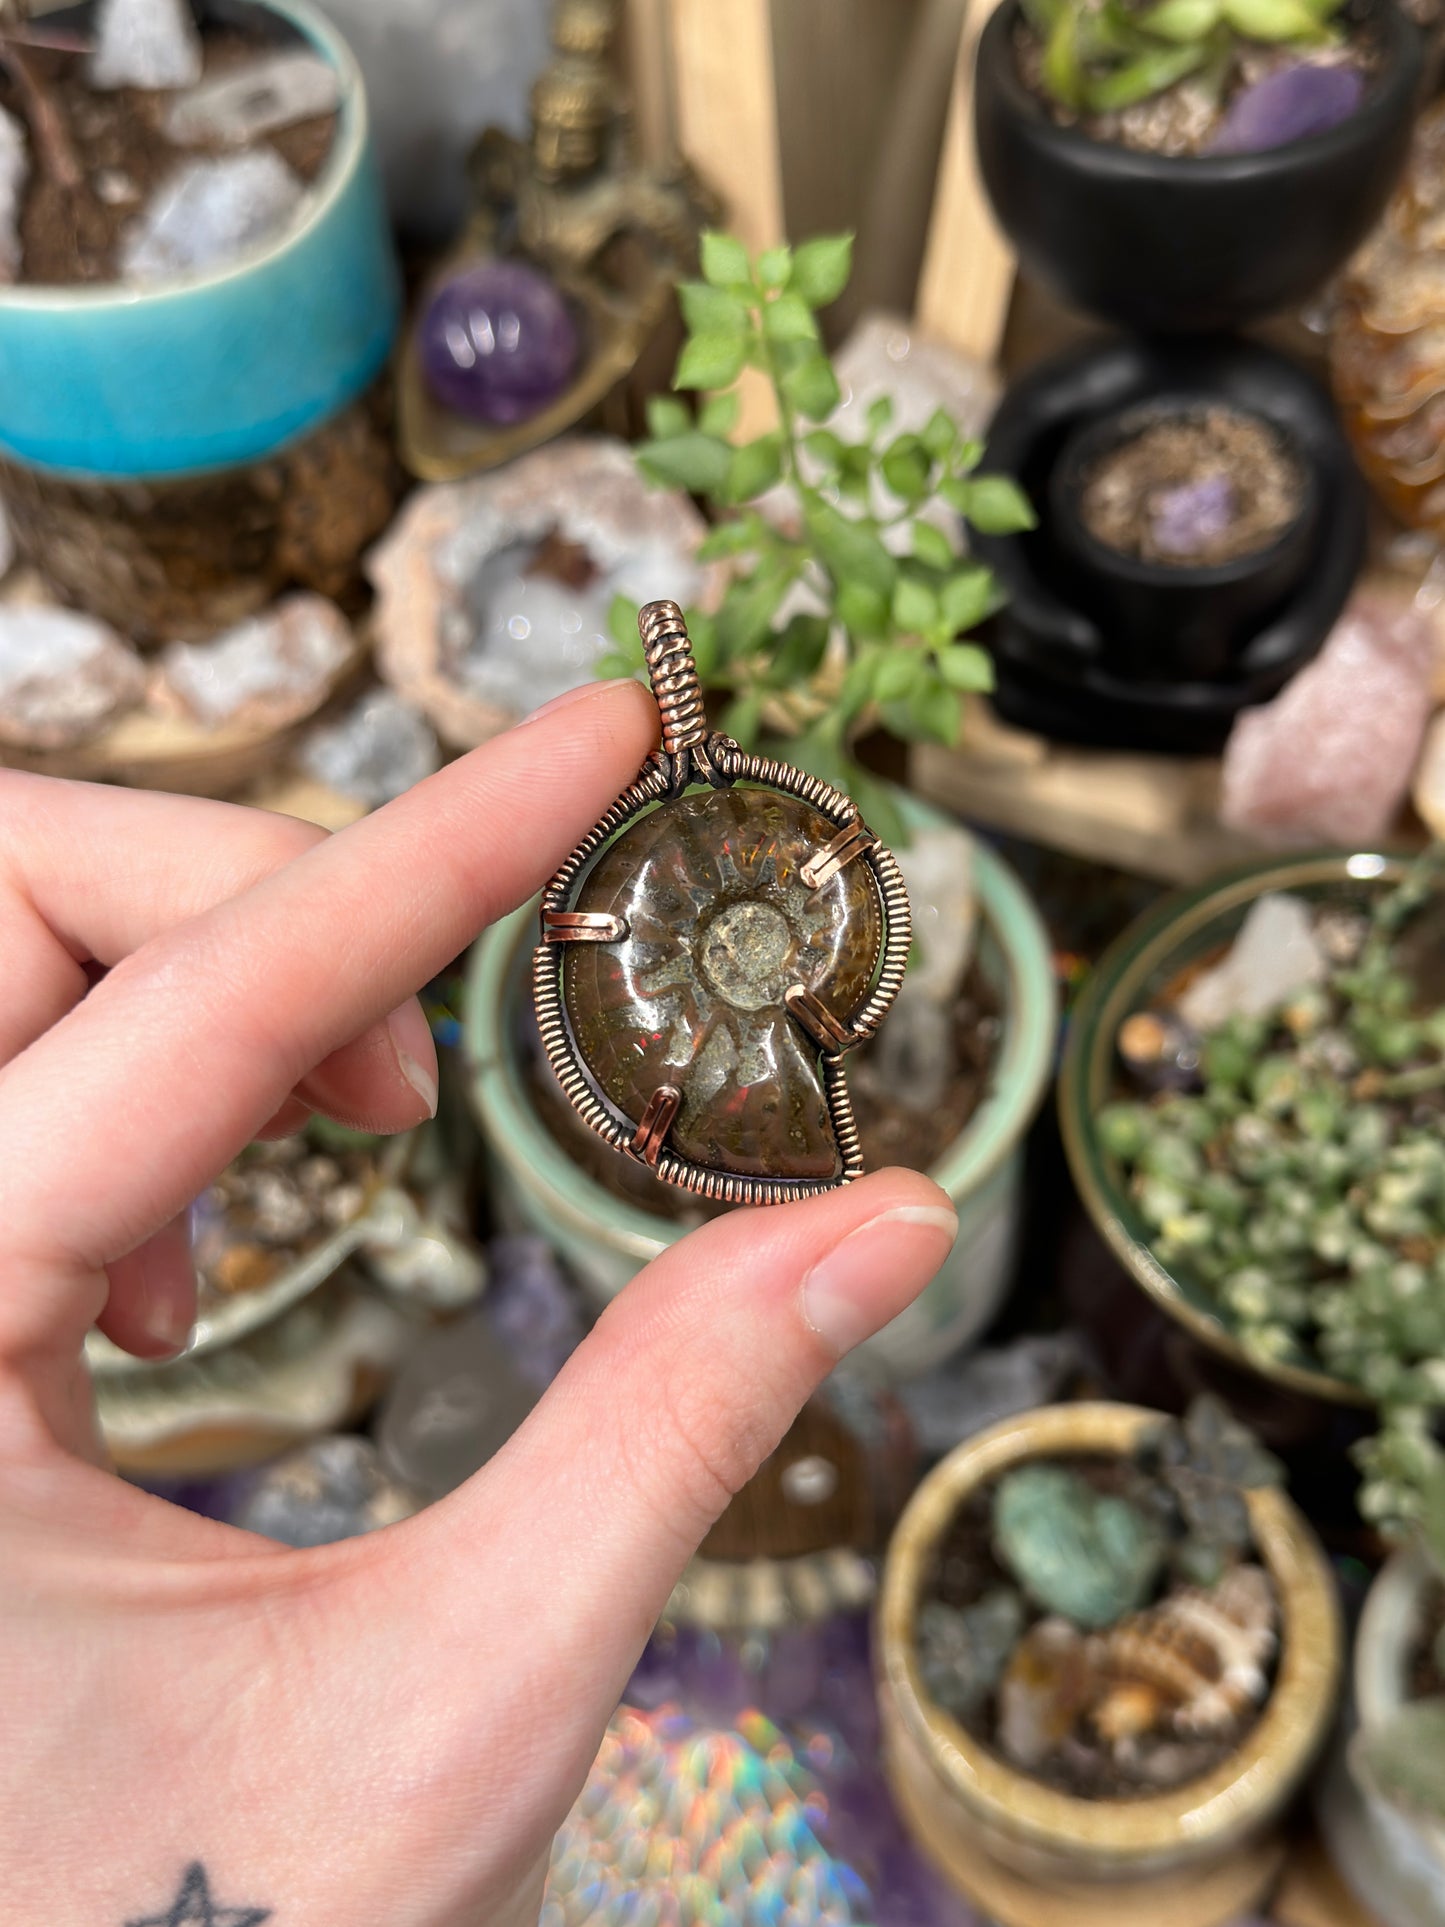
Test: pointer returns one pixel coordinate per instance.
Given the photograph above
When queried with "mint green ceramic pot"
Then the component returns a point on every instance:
(605, 1239)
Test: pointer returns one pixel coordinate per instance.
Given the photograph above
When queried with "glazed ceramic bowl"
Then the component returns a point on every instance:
(606, 1240)
(1195, 1855)
(117, 383)
(1184, 929)
(1194, 243)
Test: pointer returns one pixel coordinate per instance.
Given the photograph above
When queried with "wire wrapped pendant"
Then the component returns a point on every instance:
(711, 949)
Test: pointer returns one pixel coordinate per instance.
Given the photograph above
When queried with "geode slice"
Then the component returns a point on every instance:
(720, 925)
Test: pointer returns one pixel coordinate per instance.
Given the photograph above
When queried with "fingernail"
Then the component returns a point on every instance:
(411, 1039)
(584, 692)
(848, 1295)
(166, 1320)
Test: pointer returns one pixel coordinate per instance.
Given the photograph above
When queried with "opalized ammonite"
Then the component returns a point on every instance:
(707, 958)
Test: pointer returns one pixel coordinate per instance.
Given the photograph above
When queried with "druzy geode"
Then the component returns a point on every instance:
(720, 925)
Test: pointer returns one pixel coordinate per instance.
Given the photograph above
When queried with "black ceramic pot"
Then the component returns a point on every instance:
(1191, 244)
(1172, 620)
(1059, 669)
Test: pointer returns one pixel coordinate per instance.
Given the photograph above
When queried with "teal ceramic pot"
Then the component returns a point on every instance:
(606, 1240)
(116, 383)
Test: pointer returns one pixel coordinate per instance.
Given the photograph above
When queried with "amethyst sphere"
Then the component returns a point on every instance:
(497, 343)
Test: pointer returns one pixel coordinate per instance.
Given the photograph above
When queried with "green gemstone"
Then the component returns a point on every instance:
(720, 925)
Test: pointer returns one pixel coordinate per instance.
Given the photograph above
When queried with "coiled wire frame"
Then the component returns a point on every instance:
(690, 754)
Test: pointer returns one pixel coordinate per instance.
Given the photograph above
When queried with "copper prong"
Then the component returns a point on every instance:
(656, 1122)
(816, 1019)
(582, 926)
(823, 865)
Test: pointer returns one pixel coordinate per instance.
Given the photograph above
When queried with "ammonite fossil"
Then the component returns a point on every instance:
(707, 958)
(1387, 345)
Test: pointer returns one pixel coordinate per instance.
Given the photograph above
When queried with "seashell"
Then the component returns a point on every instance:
(1207, 1651)
(1127, 1710)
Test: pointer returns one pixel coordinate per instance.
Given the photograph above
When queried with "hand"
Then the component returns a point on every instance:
(200, 1728)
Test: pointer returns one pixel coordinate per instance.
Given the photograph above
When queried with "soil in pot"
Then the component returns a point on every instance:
(1192, 490)
(1245, 97)
(1104, 1625)
(106, 164)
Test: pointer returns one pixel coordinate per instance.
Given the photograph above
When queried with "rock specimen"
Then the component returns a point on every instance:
(145, 43)
(913, 1058)
(1188, 520)
(720, 925)
(374, 752)
(1274, 955)
(270, 1206)
(1087, 1555)
(1049, 1682)
(1288, 105)
(265, 673)
(242, 104)
(333, 1488)
(63, 676)
(1329, 760)
(210, 212)
(498, 343)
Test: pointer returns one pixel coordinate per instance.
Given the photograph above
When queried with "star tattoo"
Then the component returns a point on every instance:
(194, 1907)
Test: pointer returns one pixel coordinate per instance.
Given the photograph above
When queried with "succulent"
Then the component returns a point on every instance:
(1303, 1185)
(1099, 58)
(1090, 1556)
(1403, 1759)
(853, 586)
(1207, 1462)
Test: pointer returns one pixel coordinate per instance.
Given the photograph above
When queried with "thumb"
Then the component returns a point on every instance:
(687, 1383)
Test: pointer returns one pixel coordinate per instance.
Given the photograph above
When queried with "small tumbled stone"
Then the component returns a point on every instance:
(1047, 1685)
(210, 212)
(63, 676)
(1288, 105)
(720, 925)
(1274, 955)
(145, 43)
(1089, 1556)
(244, 103)
(333, 1488)
(498, 343)
(1185, 520)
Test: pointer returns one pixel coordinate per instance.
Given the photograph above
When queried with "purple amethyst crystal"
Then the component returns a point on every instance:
(1288, 106)
(497, 343)
(1185, 520)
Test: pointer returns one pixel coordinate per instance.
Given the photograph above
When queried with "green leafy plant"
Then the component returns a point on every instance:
(1101, 58)
(854, 588)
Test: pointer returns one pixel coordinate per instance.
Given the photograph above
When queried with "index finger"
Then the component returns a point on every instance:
(132, 1103)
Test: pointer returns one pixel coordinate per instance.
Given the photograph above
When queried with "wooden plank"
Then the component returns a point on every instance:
(647, 66)
(1153, 815)
(968, 267)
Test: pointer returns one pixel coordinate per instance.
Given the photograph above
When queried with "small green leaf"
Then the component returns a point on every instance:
(741, 718)
(821, 268)
(775, 267)
(728, 538)
(1184, 21)
(898, 671)
(696, 462)
(967, 598)
(915, 607)
(1150, 74)
(613, 665)
(880, 414)
(754, 468)
(849, 551)
(800, 649)
(749, 606)
(712, 311)
(937, 711)
(666, 417)
(878, 803)
(789, 318)
(719, 414)
(1043, 15)
(812, 388)
(622, 627)
(964, 666)
(710, 361)
(703, 630)
(824, 447)
(724, 260)
(857, 686)
(969, 456)
(1271, 20)
(1063, 69)
(998, 506)
(862, 611)
(932, 546)
(940, 432)
(906, 468)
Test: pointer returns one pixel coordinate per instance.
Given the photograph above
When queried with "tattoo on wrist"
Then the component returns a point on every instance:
(194, 1906)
